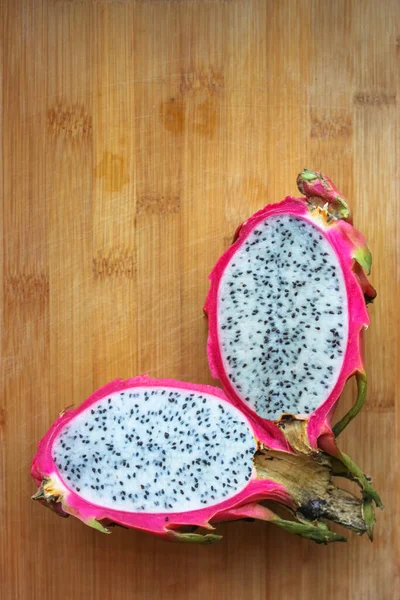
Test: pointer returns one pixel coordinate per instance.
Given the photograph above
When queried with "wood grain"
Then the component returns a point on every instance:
(136, 136)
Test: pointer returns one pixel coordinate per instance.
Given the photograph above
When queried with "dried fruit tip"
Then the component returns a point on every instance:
(317, 187)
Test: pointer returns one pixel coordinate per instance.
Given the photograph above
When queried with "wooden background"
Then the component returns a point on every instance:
(136, 136)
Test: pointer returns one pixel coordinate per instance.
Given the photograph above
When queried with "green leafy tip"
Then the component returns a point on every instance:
(369, 516)
(194, 538)
(97, 525)
(316, 531)
(364, 258)
(308, 175)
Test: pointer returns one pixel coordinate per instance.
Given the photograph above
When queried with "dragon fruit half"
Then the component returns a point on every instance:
(169, 457)
(287, 308)
(287, 311)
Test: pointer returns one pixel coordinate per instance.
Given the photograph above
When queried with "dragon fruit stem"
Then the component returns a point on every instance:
(355, 409)
(368, 490)
(370, 495)
(343, 466)
(316, 186)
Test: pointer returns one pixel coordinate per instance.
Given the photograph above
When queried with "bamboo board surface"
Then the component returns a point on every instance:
(136, 137)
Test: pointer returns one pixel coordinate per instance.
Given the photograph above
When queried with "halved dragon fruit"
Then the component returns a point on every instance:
(168, 457)
(287, 311)
(287, 308)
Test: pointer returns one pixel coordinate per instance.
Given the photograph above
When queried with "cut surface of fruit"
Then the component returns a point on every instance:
(283, 321)
(156, 450)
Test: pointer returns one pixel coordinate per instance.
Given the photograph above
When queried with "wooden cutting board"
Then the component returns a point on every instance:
(136, 137)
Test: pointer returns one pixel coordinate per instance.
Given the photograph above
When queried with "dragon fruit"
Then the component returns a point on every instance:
(287, 307)
(169, 457)
(287, 311)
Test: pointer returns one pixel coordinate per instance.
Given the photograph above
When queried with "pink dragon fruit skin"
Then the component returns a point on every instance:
(327, 211)
(56, 492)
